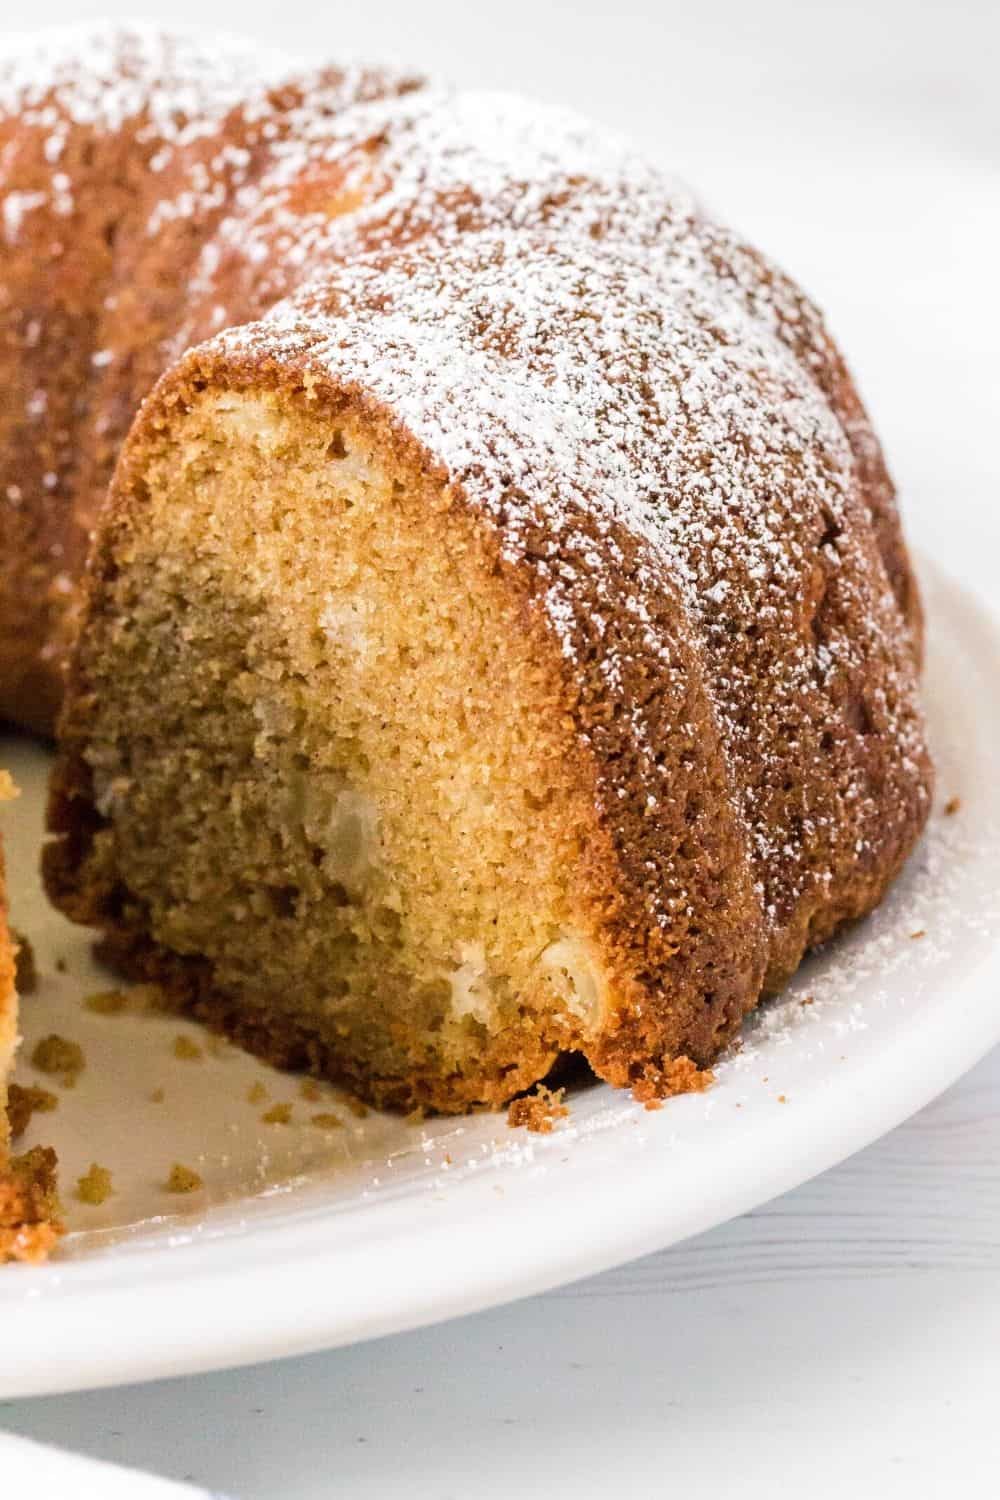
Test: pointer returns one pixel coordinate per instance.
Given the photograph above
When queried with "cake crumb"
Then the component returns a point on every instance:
(256, 1093)
(183, 1179)
(685, 1077)
(25, 967)
(30, 1221)
(186, 1049)
(680, 1076)
(539, 1111)
(782, 1098)
(310, 1090)
(278, 1114)
(106, 1002)
(157, 1096)
(952, 806)
(809, 1000)
(57, 1055)
(61, 965)
(94, 1187)
(25, 1100)
(920, 932)
(327, 1120)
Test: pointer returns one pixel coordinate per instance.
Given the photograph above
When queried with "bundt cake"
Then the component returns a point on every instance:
(498, 640)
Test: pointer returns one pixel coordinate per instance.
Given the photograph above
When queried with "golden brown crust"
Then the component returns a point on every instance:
(538, 1111)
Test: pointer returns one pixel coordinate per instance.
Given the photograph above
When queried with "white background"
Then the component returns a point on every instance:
(844, 1341)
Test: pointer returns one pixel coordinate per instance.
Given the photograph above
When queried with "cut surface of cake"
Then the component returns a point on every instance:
(498, 638)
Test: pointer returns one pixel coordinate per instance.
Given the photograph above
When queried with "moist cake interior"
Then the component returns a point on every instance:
(341, 806)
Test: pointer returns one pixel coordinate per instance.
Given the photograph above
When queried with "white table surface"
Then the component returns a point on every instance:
(844, 1340)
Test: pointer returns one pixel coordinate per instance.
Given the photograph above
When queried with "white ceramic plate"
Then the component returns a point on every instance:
(304, 1237)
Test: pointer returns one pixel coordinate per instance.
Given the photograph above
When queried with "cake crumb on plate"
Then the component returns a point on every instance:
(538, 1111)
(680, 1076)
(30, 1223)
(94, 1187)
(24, 1100)
(26, 969)
(183, 1179)
(59, 1056)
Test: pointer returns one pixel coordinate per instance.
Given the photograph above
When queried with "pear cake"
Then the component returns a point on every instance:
(497, 640)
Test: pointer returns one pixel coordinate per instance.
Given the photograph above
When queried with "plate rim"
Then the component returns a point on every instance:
(308, 1292)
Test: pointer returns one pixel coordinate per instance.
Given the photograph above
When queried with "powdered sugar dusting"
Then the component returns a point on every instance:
(584, 352)
(181, 85)
(638, 403)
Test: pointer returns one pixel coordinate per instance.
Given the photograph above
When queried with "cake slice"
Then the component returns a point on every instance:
(381, 796)
(28, 1225)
